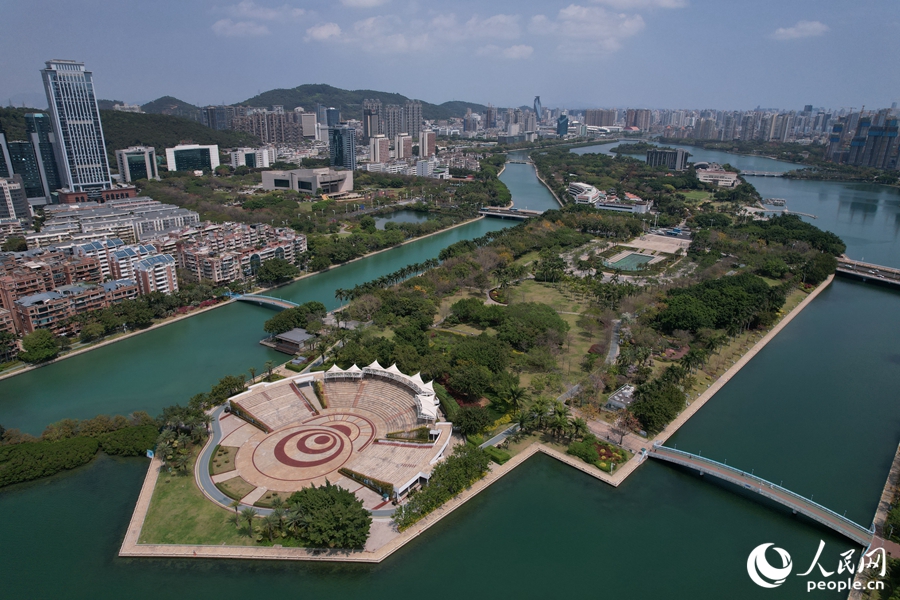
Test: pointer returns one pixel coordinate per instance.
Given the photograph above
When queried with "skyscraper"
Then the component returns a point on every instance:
(40, 133)
(393, 121)
(562, 125)
(372, 118)
(538, 110)
(342, 146)
(427, 144)
(412, 118)
(332, 116)
(33, 159)
(80, 147)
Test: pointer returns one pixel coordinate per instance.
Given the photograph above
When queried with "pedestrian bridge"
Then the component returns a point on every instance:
(748, 481)
(266, 301)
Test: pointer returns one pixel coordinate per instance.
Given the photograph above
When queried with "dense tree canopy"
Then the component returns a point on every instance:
(330, 517)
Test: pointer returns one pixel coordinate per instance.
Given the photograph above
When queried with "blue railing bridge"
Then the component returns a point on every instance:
(267, 301)
(767, 489)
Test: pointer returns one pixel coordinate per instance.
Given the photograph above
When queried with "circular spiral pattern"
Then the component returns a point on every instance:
(310, 447)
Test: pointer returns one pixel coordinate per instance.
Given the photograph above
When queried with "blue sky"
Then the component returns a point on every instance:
(642, 53)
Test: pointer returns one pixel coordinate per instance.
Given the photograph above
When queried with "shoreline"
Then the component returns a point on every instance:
(719, 383)
(132, 548)
(171, 320)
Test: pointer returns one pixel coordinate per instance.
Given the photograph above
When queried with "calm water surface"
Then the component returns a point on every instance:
(816, 409)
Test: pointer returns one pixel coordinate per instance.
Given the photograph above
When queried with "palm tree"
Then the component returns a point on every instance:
(248, 514)
(269, 366)
(234, 504)
(252, 371)
(515, 396)
(524, 420)
(579, 428)
(539, 409)
(271, 525)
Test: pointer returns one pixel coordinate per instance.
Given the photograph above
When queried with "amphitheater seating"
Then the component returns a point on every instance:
(341, 394)
(394, 403)
(275, 406)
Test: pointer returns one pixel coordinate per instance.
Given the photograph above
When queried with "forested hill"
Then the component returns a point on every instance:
(350, 101)
(122, 130)
(169, 105)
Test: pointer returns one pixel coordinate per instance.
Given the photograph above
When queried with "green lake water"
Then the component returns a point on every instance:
(817, 408)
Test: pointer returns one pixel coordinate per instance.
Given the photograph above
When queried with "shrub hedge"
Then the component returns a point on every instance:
(497, 455)
(131, 441)
(32, 460)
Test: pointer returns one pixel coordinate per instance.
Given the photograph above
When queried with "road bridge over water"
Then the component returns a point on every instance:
(868, 272)
(748, 481)
(762, 173)
(266, 301)
(509, 213)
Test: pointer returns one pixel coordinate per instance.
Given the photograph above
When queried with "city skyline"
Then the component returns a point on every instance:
(509, 54)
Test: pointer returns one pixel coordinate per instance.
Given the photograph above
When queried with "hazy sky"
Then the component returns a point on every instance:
(642, 53)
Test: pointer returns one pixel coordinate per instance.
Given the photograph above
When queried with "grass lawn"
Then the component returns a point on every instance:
(223, 460)
(235, 488)
(526, 258)
(696, 195)
(269, 497)
(557, 299)
(448, 301)
(179, 513)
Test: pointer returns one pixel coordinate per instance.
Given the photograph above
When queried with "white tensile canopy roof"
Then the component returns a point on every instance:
(394, 370)
(426, 405)
(375, 365)
(354, 369)
(335, 369)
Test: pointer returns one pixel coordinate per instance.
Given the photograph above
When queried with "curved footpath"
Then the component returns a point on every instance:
(204, 480)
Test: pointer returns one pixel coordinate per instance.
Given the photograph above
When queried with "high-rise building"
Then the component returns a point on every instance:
(393, 121)
(562, 125)
(403, 146)
(639, 118)
(137, 162)
(192, 157)
(23, 162)
(672, 159)
(80, 147)
(13, 202)
(220, 117)
(332, 116)
(538, 109)
(876, 141)
(490, 117)
(412, 118)
(43, 141)
(372, 118)
(379, 149)
(427, 140)
(342, 146)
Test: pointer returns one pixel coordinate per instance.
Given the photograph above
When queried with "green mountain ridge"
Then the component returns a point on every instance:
(350, 101)
(169, 105)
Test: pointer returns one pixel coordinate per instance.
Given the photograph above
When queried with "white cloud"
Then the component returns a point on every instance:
(803, 29)
(229, 28)
(587, 30)
(323, 32)
(518, 51)
(503, 27)
(639, 4)
(513, 52)
(363, 3)
(247, 9)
